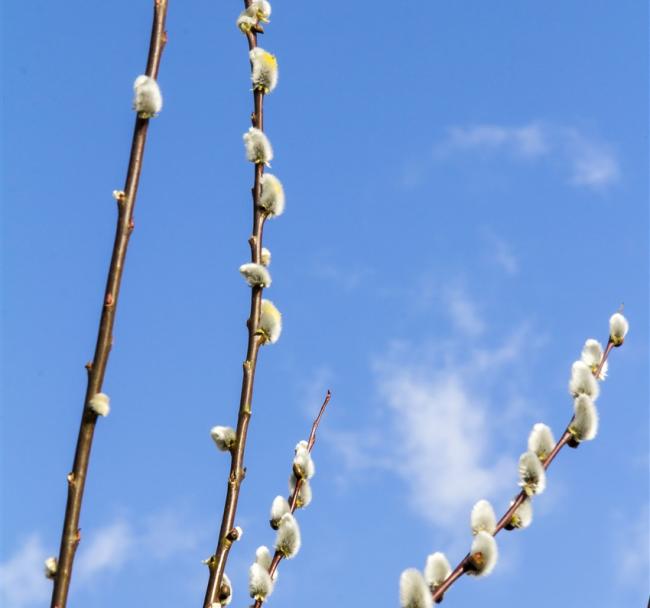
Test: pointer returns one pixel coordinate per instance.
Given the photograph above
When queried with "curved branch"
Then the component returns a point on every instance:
(70, 536)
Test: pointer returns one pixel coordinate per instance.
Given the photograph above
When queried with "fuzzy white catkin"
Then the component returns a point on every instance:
(256, 275)
(413, 591)
(262, 9)
(523, 515)
(483, 517)
(272, 197)
(265, 258)
(279, 507)
(541, 440)
(483, 554)
(263, 556)
(147, 98)
(258, 146)
(270, 322)
(259, 10)
(51, 564)
(224, 437)
(246, 22)
(592, 353)
(584, 426)
(304, 494)
(265, 70)
(260, 585)
(582, 381)
(303, 465)
(436, 570)
(287, 540)
(618, 328)
(531, 473)
(100, 404)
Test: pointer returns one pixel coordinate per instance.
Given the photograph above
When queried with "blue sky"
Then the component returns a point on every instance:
(467, 202)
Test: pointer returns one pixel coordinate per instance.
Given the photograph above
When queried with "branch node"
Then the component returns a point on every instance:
(109, 300)
(71, 478)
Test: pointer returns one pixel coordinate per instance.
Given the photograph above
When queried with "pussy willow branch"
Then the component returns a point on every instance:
(217, 563)
(70, 536)
(293, 500)
(567, 437)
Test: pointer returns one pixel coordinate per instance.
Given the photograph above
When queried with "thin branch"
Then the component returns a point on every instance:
(277, 556)
(71, 536)
(567, 438)
(217, 562)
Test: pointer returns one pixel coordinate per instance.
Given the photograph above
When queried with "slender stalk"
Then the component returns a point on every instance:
(71, 536)
(217, 562)
(277, 556)
(567, 438)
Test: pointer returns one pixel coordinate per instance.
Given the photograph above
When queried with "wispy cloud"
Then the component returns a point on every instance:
(110, 548)
(346, 276)
(594, 163)
(22, 582)
(463, 312)
(443, 424)
(528, 141)
(588, 162)
(500, 252)
(107, 548)
(632, 553)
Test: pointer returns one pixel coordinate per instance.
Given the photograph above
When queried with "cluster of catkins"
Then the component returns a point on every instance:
(287, 541)
(416, 589)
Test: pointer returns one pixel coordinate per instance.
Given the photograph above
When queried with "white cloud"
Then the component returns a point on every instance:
(588, 162)
(594, 163)
(160, 536)
(107, 548)
(347, 277)
(500, 252)
(166, 534)
(463, 312)
(442, 423)
(437, 427)
(22, 579)
(632, 553)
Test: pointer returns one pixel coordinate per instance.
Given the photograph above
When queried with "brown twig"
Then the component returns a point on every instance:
(217, 562)
(293, 500)
(71, 536)
(567, 438)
